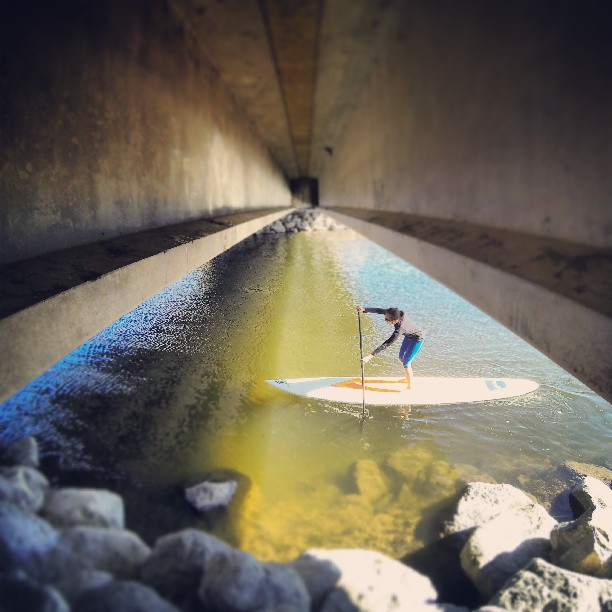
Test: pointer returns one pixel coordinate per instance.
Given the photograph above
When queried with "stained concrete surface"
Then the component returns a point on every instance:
(235, 38)
(557, 296)
(121, 117)
(51, 304)
(25, 283)
(579, 272)
(113, 121)
(493, 114)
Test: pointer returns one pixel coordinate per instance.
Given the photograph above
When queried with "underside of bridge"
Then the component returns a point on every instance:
(139, 139)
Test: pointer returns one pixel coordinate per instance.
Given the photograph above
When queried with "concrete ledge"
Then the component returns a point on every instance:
(52, 304)
(544, 290)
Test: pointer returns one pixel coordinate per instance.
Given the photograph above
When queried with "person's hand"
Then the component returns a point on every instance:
(367, 358)
(360, 308)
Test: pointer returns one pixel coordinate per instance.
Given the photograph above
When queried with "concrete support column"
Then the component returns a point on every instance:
(576, 335)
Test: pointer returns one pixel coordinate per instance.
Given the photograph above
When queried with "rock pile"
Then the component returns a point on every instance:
(303, 220)
(68, 549)
(520, 558)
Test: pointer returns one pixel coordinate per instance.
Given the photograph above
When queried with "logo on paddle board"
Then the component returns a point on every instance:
(355, 383)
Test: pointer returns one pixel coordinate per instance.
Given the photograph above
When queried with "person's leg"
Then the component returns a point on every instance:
(408, 372)
(410, 350)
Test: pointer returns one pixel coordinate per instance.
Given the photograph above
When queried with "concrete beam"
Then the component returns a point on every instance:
(555, 295)
(52, 304)
(235, 40)
(293, 27)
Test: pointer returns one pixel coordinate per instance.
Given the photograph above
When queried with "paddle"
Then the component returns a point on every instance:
(363, 411)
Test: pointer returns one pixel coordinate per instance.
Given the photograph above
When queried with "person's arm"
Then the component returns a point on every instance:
(375, 310)
(387, 343)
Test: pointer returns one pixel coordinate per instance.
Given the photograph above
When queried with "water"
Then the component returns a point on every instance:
(176, 390)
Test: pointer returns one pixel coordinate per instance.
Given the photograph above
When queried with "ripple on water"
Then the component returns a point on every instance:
(176, 388)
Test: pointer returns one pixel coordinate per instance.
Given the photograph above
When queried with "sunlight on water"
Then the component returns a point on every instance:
(176, 390)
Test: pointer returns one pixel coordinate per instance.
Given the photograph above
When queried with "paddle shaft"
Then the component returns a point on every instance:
(361, 357)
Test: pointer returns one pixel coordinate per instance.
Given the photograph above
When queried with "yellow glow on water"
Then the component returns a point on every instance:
(176, 389)
(316, 479)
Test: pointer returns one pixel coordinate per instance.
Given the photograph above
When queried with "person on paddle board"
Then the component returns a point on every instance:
(413, 338)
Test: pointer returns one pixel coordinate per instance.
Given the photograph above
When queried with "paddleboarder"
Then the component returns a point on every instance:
(413, 338)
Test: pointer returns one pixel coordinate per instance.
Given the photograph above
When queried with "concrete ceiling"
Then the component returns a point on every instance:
(295, 66)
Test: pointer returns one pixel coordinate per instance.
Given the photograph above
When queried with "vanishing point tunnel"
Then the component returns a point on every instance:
(140, 139)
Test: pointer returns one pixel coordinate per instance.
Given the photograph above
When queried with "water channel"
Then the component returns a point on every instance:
(176, 390)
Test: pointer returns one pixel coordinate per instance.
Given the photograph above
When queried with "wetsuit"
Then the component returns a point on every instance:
(413, 336)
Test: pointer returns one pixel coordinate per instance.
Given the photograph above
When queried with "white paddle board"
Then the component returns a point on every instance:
(386, 391)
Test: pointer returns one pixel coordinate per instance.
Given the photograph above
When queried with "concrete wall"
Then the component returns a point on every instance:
(112, 121)
(493, 113)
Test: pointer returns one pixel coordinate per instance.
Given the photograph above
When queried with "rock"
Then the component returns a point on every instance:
(24, 540)
(61, 563)
(118, 552)
(177, 562)
(586, 469)
(481, 502)
(426, 476)
(498, 549)
(84, 507)
(319, 576)
(278, 227)
(80, 581)
(23, 595)
(584, 545)
(590, 494)
(440, 562)
(372, 581)
(23, 486)
(235, 580)
(209, 495)
(552, 486)
(124, 597)
(22, 452)
(543, 586)
(368, 479)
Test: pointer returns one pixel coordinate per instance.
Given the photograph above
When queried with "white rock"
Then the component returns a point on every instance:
(591, 494)
(84, 507)
(372, 581)
(543, 586)
(23, 486)
(177, 563)
(498, 549)
(585, 545)
(24, 540)
(209, 495)
(278, 227)
(319, 575)
(119, 552)
(80, 581)
(122, 597)
(22, 452)
(234, 580)
(481, 502)
(19, 595)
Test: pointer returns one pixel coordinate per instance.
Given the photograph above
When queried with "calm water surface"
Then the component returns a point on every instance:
(176, 390)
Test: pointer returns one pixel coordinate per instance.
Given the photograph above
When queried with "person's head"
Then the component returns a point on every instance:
(392, 315)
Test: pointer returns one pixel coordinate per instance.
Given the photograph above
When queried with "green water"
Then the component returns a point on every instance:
(177, 389)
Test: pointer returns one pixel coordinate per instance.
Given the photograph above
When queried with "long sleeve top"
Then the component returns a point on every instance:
(404, 327)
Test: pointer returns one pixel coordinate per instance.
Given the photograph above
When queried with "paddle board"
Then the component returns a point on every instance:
(386, 391)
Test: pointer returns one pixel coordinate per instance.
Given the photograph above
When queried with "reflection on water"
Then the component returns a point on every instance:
(177, 388)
